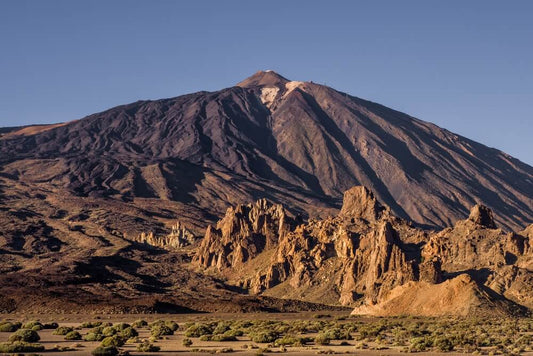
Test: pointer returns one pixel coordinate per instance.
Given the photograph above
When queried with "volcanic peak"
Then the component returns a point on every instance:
(264, 78)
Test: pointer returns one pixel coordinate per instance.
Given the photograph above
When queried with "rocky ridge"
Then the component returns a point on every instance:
(367, 257)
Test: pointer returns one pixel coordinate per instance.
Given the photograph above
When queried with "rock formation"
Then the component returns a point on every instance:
(242, 234)
(366, 256)
(360, 252)
(179, 236)
(460, 296)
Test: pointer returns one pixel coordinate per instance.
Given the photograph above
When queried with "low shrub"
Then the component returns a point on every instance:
(147, 347)
(129, 332)
(264, 336)
(97, 330)
(139, 323)
(25, 335)
(34, 325)
(105, 351)
(115, 340)
(73, 335)
(322, 339)
(121, 326)
(18, 346)
(172, 325)
(93, 337)
(109, 331)
(443, 344)
(133, 340)
(235, 332)
(288, 340)
(90, 324)
(198, 330)
(9, 327)
(223, 337)
(161, 329)
(187, 342)
(419, 344)
(337, 334)
(221, 327)
(62, 330)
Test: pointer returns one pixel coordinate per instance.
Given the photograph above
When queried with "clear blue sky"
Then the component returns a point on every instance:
(464, 65)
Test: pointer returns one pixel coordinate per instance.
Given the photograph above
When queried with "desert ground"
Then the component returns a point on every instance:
(302, 333)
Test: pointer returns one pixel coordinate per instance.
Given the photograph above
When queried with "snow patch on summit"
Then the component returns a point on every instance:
(290, 86)
(268, 94)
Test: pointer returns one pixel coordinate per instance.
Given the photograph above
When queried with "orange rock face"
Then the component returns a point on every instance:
(243, 233)
(364, 255)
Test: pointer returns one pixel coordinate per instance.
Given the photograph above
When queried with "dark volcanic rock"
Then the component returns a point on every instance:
(297, 143)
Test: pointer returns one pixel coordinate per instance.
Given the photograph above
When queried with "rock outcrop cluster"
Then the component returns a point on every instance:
(367, 257)
(179, 236)
(242, 234)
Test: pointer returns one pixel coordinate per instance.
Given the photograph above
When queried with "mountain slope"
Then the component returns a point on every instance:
(297, 143)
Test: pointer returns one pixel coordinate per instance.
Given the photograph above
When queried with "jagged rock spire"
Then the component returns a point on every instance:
(481, 215)
(360, 203)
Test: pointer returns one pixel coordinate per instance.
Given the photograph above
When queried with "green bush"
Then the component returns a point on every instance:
(187, 342)
(93, 337)
(337, 334)
(115, 340)
(198, 330)
(147, 347)
(443, 344)
(221, 327)
(34, 325)
(419, 344)
(10, 347)
(90, 324)
(97, 330)
(264, 336)
(121, 326)
(160, 330)
(139, 323)
(105, 351)
(129, 332)
(26, 335)
(289, 341)
(62, 330)
(322, 339)
(234, 332)
(9, 327)
(73, 335)
(172, 325)
(109, 331)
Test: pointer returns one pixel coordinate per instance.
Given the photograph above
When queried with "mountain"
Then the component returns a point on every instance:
(125, 204)
(297, 143)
